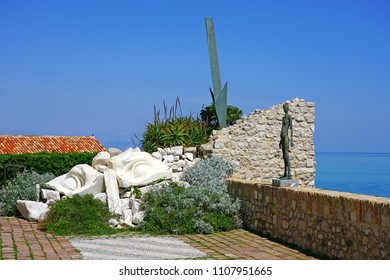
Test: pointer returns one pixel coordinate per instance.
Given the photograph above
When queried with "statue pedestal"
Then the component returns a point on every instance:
(289, 183)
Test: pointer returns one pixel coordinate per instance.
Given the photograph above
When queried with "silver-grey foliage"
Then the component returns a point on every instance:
(23, 186)
(209, 173)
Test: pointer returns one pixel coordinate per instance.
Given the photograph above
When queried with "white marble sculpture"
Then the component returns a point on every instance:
(81, 179)
(136, 168)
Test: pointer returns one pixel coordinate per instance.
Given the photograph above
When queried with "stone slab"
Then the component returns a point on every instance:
(285, 183)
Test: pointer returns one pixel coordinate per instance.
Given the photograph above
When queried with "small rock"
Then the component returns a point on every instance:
(125, 204)
(219, 144)
(177, 151)
(127, 217)
(192, 150)
(157, 155)
(50, 194)
(50, 202)
(135, 205)
(174, 168)
(189, 156)
(162, 152)
(176, 158)
(31, 210)
(113, 222)
(168, 158)
(138, 217)
(102, 197)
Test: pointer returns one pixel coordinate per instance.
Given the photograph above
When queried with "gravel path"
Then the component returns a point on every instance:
(134, 248)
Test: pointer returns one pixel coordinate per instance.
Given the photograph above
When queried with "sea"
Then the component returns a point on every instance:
(360, 173)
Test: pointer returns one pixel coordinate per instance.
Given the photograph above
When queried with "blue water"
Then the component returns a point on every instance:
(361, 173)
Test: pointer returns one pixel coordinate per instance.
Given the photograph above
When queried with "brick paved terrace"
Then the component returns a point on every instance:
(22, 240)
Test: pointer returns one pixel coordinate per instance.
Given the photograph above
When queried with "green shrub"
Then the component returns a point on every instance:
(209, 116)
(173, 130)
(23, 187)
(78, 215)
(204, 207)
(54, 163)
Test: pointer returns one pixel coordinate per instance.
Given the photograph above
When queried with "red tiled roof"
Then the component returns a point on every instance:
(60, 144)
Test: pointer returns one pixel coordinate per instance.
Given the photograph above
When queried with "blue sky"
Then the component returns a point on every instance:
(98, 67)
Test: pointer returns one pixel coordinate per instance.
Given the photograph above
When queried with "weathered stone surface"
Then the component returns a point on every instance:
(138, 217)
(219, 144)
(135, 205)
(290, 183)
(168, 158)
(189, 156)
(127, 217)
(113, 222)
(192, 150)
(177, 151)
(81, 179)
(334, 224)
(252, 144)
(50, 194)
(102, 197)
(112, 191)
(32, 210)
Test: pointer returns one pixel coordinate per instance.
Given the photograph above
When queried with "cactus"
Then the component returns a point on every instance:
(218, 94)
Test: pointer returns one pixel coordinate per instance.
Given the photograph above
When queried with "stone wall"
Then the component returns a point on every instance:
(334, 224)
(252, 144)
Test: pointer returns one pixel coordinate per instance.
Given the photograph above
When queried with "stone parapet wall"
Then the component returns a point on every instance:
(252, 144)
(334, 224)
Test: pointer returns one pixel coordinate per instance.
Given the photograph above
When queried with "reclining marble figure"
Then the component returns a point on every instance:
(132, 168)
(137, 168)
(81, 179)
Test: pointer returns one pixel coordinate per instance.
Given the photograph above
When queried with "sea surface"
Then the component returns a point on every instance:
(361, 173)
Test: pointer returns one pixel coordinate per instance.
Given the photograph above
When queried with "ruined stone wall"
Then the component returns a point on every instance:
(252, 144)
(335, 224)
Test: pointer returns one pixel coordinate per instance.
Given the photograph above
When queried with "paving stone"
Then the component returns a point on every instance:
(236, 244)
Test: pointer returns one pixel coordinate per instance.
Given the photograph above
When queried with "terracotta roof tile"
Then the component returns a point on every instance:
(61, 144)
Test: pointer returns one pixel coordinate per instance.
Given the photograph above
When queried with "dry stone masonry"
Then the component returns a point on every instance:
(252, 144)
(333, 224)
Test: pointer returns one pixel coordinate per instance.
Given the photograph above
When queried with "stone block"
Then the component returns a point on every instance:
(32, 210)
(102, 197)
(50, 194)
(189, 156)
(285, 183)
(177, 151)
(113, 200)
(127, 217)
(138, 217)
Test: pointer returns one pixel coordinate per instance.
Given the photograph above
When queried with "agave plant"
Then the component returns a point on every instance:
(170, 128)
(174, 133)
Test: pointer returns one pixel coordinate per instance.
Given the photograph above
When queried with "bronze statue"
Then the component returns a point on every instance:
(284, 143)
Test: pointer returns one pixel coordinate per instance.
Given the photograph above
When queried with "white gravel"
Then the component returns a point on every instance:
(134, 248)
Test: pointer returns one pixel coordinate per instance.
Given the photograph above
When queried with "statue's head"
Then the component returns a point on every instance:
(285, 107)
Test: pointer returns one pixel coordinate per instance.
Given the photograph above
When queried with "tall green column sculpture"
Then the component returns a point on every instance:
(219, 95)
